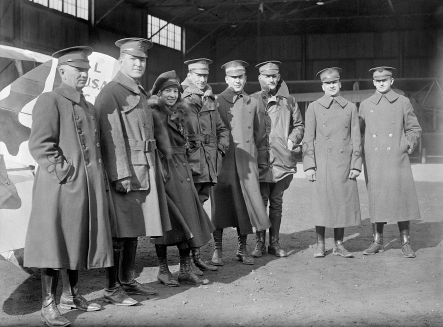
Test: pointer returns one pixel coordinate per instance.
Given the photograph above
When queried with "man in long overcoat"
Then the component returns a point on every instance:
(332, 161)
(391, 132)
(131, 160)
(237, 201)
(207, 135)
(69, 226)
(284, 129)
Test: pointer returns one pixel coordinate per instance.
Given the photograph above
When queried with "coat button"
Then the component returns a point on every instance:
(93, 118)
(371, 110)
(346, 126)
(389, 148)
(374, 135)
(249, 127)
(329, 150)
(83, 146)
(188, 179)
(79, 131)
(393, 122)
(184, 164)
(87, 162)
(77, 117)
(324, 125)
(376, 149)
(100, 160)
(95, 130)
(341, 150)
(98, 145)
(7, 183)
(327, 137)
(247, 141)
(390, 135)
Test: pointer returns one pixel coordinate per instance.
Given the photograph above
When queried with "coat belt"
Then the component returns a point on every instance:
(141, 145)
(204, 138)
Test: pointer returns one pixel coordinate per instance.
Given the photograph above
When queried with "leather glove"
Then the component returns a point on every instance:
(122, 185)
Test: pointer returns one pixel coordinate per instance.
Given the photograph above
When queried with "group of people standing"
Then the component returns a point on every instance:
(143, 163)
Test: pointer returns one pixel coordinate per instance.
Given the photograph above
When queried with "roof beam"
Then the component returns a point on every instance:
(108, 12)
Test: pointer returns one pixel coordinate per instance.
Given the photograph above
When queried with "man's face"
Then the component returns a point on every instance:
(236, 82)
(331, 88)
(383, 85)
(270, 80)
(199, 80)
(132, 66)
(73, 76)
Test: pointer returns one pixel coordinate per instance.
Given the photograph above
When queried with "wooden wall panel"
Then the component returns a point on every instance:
(7, 21)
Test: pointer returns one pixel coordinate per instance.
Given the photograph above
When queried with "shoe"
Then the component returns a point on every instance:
(217, 256)
(199, 263)
(135, 288)
(320, 251)
(242, 251)
(186, 275)
(374, 248)
(78, 302)
(260, 247)
(52, 317)
(407, 251)
(340, 250)
(49, 313)
(118, 297)
(276, 250)
(164, 276)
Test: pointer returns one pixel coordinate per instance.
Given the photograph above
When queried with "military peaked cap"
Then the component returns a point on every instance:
(135, 46)
(74, 56)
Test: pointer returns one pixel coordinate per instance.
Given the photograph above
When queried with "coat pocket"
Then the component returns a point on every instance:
(137, 150)
(194, 156)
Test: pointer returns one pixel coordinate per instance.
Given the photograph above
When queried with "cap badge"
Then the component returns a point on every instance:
(330, 71)
(380, 69)
(140, 44)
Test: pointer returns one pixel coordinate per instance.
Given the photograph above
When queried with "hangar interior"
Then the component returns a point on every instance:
(305, 35)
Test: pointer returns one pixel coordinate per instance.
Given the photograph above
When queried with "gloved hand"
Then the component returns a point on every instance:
(122, 185)
(353, 174)
(310, 174)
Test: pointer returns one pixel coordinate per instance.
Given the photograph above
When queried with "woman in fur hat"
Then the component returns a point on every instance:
(191, 226)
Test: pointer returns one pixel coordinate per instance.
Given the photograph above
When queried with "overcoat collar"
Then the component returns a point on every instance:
(327, 100)
(282, 90)
(190, 88)
(231, 96)
(129, 83)
(69, 93)
(391, 96)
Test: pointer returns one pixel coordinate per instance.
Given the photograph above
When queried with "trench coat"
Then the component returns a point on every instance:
(282, 120)
(130, 142)
(236, 200)
(332, 146)
(208, 136)
(189, 220)
(390, 127)
(69, 224)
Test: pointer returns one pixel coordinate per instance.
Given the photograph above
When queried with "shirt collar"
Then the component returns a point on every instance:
(128, 83)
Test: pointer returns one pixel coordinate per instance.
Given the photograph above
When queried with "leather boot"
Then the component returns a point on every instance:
(403, 226)
(320, 251)
(242, 251)
(274, 244)
(164, 276)
(199, 262)
(260, 244)
(49, 313)
(114, 292)
(377, 244)
(127, 275)
(71, 299)
(217, 256)
(339, 249)
(186, 275)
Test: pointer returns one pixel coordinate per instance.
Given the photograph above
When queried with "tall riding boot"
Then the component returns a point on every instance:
(242, 251)
(71, 299)
(114, 292)
(274, 232)
(377, 244)
(127, 274)
(217, 256)
(50, 314)
(320, 251)
(186, 274)
(403, 226)
(199, 262)
(339, 248)
(260, 244)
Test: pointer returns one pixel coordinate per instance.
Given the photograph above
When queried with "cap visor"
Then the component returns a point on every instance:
(135, 53)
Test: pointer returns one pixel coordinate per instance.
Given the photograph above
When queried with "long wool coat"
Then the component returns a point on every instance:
(189, 220)
(282, 120)
(69, 224)
(129, 140)
(236, 200)
(390, 127)
(332, 147)
(208, 136)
